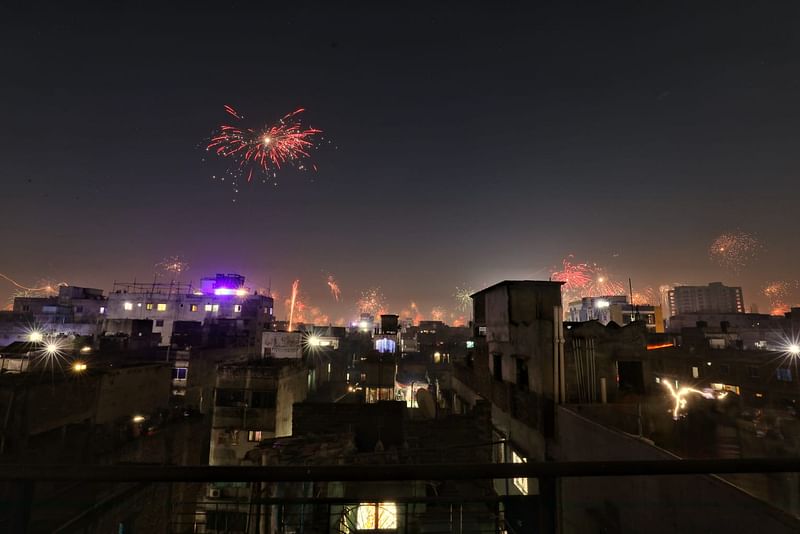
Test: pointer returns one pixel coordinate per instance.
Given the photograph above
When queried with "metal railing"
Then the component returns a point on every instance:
(100, 493)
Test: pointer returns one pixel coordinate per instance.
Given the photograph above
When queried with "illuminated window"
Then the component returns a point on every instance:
(520, 483)
(215, 308)
(193, 307)
(148, 306)
(254, 435)
(162, 306)
(179, 373)
(237, 308)
(128, 306)
(102, 310)
(207, 307)
(376, 516)
(695, 372)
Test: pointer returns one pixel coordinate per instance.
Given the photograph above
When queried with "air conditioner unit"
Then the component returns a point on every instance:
(214, 493)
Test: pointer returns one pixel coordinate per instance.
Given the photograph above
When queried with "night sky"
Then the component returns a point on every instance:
(469, 143)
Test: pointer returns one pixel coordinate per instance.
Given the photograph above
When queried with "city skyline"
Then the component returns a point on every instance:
(599, 139)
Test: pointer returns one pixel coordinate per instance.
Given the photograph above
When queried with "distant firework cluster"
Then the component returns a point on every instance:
(372, 302)
(264, 150)
(781, 294)
(734, 250)
(172, 265)
(585, 280)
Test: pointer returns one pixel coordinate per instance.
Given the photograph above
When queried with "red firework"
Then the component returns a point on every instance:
(269, 147)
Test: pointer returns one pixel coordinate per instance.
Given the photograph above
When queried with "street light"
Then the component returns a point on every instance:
(793, 349)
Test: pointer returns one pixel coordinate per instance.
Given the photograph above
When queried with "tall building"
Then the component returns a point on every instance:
(715, 297)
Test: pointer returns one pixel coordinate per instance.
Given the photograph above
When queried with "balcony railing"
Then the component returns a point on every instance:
(66, 498)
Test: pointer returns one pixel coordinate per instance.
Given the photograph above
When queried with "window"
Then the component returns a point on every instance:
(520, 483)
(752, 371)
(159, 322)
(229, 397)
(376, 516)
(78, 309)
(497, 366)
(695, 372)
(179, 373)
(724, 369)
(262, 399)
(784, 374)
(102, 310)
(162, 306)
(207, 307)
(254, 435)
(148, 306)
(215, 308)
(193, 307)
(128, 306)
(237, 308)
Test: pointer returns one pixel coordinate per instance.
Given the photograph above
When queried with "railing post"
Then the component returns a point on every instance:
(548, 505)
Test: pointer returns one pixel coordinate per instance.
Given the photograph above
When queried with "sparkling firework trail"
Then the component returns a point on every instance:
(336, 293)
(680, 397)
(293, 301)
(267, 148)
(734, 250)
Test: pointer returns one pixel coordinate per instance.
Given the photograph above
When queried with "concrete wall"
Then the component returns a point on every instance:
(133, 390)
(651, 504)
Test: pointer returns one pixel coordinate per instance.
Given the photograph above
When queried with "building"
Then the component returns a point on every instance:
(228, 311)
(715, 297)
(616, 308)
(253, 401)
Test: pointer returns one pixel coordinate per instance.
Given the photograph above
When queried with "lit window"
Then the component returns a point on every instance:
(162, 306)
(148, 306)
(179, 373)
(128, 306)
(254, 435)
(102, 310)
(520, 483)
(376, 516)
(215, 308)
(207, 307)
(695, 372)
(193, 307)
(237, 308)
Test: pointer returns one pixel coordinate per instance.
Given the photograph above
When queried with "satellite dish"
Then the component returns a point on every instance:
(426, 404)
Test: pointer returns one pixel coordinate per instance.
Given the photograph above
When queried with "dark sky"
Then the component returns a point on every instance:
(471, 142)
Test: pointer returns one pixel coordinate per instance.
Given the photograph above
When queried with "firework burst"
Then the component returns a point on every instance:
(172, 265)
(372, 301)
(463, 298)
(264, 149)
(437, 313)
(780, 293)
(734, 250)
(646, 295)
(585, 280)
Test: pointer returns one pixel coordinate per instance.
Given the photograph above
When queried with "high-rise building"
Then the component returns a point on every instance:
(715, 297)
